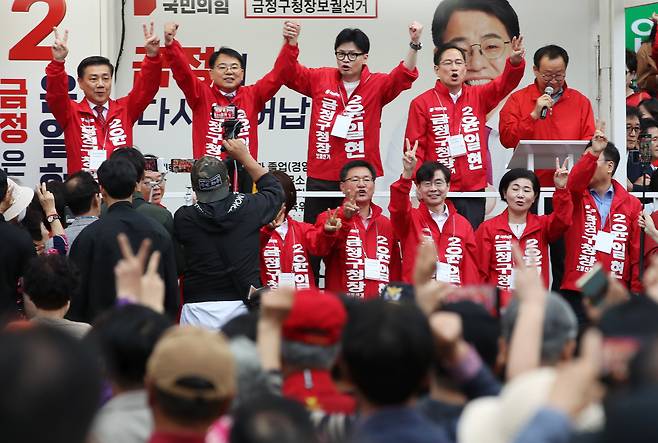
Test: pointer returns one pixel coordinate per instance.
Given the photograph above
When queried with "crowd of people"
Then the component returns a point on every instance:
(123, 322)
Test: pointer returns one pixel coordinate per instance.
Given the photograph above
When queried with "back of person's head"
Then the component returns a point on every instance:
(289, 190)
(443, 48)
(646, 124)
(344, 171)
(228, 52)
(515, 174)
(118, 178)
(501, 9)
(4, 184)
(81, 189)
(50, 281)
(133, 156)
(632, 111)
(552, 52)
(610, 154)
(387, 350)
(651, 106)
(126, 337)
(94, 60)
(353, 35)
(59, 192)
(50, 386)
(560, 328)
(631, 61)
(272, 419)
(427, 170)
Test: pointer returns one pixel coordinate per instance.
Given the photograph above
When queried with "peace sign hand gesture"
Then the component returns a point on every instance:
(349, 206)
(599, 141)
(151, 41)
(561, 173)
(333, 223)
(409, 159)
(60, 49)
(518, 50)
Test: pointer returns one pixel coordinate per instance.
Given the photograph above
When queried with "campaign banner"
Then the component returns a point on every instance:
(638, 24)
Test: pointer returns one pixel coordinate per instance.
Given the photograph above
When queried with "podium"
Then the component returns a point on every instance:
(540, 154)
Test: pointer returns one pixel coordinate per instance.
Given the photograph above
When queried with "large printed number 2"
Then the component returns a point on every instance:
(28, 47)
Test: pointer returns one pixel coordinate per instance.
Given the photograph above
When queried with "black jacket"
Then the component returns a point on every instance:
(220, 242)
(16, 251)
(96, 252)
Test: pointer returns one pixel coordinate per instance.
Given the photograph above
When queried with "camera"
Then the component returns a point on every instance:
(231, 125)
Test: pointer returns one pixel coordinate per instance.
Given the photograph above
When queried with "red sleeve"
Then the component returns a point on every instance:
(581, 174)
(318, 242)
(514, 124)
(588, 125)
(302, 78)
(395, 267)
(57, 92)
(654, 51)
(634, 245)
(185, 78)
(146, 85)
(484, 240)
(265, 235)
(493, 92)
(265, 88)
(418, 128)
(650, 245)
(398, 80)
(400, 206)
(562, 216)
(470, 272)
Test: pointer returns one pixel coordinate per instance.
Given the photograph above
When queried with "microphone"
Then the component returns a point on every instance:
(549, 90)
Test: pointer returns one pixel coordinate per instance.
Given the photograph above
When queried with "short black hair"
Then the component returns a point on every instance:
(646, 123)
(443, 48)
(272, 419)
(94, 60)
(117, 177)
(50, 378)
(514, 174)
(226, 51)
(651, 105)
(51, 281)
(58, 191)
(388, 349)
(427, 170)
(501, 9)
(4, 184)
(133, 156)
(610, 154)
(126, 337)
(81, 188)
(552, 52)
(289, 190)
(353, 35)
(189, 411)
(357, 164)
(631, 60)
(632, 111)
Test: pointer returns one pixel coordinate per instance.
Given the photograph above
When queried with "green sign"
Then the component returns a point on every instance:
(638, 24)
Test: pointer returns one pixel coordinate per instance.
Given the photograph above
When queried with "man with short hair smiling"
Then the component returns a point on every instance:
(435, 219)
(97, 125)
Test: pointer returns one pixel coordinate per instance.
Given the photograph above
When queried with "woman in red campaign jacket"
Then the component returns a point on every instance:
(366, 255)
(285, 244)
(618, 253)
(520, 189)
(86, 132)
(435, 218)
(209, 100)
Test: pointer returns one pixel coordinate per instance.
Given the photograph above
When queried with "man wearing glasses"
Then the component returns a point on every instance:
(448, 121)
(568, 114)
(213, 103)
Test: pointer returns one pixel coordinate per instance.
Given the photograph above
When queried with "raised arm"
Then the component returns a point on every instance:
(147, 81)
(180, 68)
(495, 91)
(418, 129)
(400, 205)
(561, 217)
(584, 169)
(415, 31)
(57, 89)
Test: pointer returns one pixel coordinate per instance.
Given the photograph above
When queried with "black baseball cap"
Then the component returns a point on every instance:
(209, 179)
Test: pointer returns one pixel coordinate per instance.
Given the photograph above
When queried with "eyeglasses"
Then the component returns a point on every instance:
(436, 183)
(350, 56)
(155, 183)
(549, 77)
(630, 128)
(365, 180)
(456, 62)
(226, 68)
(491, 48)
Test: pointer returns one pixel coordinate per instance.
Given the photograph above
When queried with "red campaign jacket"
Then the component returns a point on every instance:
(433, 117)
(650, 245)
(207, 132)
(345, 263)
(455, 245)
(82, 131)
(327, 154)
(580, 237)
(291, 255)
(494, 239)
(317, 392)
(571, 118)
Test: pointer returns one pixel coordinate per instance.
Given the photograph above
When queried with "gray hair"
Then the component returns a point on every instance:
(308, 356)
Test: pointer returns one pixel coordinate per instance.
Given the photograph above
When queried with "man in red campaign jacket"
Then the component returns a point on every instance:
(285, 244)
(448, 121)
(347, 109)
(97, 125)
(209, 101)
(569, 113)
(520, 189)
(435, 218)
(366, 255)
(605, 222)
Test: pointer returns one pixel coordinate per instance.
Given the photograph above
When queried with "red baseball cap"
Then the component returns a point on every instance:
(316, 318)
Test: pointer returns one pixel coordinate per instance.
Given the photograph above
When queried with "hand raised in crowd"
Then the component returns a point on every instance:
(46, 199)
(8, 200)
(599, 140)
(279, 219)
(237, 149)
(60, 49)
(170, 29)
(428, 291)
(543, 101)
(333, 223)
(561, 173)
(650, 278)
(415, 31)
(646, 222)
(614, 295)
(291, 32)
(527, 281)
(132, 283)
(349, 206)
(151, 40)
(654, 17)
(448, 334)
(518, 50)
(409, 159)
